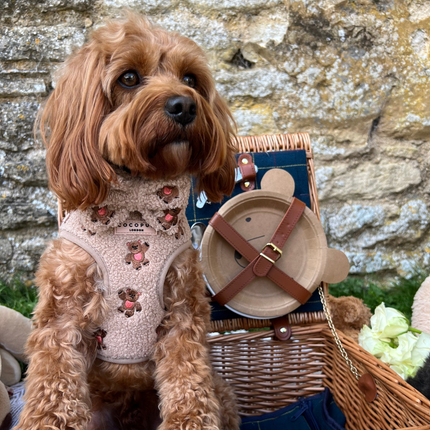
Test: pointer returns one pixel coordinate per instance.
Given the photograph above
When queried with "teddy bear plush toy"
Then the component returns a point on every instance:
(349, 314)
(14, 331)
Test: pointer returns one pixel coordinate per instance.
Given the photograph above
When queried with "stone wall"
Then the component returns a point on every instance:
(355, 74)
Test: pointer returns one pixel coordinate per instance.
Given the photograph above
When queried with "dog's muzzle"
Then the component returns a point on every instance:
(181, 109)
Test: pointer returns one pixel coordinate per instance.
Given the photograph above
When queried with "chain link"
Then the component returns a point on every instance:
(342, 351)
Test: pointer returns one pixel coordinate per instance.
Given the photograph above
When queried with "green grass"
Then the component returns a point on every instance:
(399, 295)
(19, 295)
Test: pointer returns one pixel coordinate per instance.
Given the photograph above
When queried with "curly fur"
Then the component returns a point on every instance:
(91, 124)
(349, 314)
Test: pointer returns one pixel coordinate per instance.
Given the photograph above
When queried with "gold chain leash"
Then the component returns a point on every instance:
(342, 351)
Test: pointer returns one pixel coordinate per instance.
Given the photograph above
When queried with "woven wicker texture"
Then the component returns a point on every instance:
(267, 374)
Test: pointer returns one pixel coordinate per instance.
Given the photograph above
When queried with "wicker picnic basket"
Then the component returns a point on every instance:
(268, 374)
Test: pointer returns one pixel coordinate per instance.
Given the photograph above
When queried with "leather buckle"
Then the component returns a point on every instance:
(275, 248)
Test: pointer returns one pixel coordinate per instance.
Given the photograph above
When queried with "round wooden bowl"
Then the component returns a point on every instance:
(305, 256)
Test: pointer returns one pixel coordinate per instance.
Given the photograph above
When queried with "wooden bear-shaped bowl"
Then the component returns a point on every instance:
(305, 258)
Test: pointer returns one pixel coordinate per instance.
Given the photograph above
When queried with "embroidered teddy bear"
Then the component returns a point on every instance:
(102, 215)
(180, 231)
(100, 334)
(88, 231)
(170, 218)
(168, 194)
(130, 304)
(136, 256)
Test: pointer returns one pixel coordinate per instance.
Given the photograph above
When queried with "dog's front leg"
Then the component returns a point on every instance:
(61, 346)
(183, 370)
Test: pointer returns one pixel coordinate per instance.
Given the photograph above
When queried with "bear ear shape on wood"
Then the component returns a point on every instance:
(279, 181)
(337, 266)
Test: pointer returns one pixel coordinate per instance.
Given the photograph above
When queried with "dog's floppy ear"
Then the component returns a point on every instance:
(216, 177)
(69, 125)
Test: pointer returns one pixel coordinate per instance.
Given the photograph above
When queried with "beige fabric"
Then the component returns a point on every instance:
(134, 263)
(14, 333)
(4, 402)
(421, 308)
(10, 372)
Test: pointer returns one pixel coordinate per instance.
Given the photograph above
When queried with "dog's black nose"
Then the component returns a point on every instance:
(182, 109)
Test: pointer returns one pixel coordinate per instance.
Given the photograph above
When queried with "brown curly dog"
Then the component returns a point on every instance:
(139, 100)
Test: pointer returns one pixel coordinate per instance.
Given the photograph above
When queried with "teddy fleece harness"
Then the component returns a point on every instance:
(134, 236)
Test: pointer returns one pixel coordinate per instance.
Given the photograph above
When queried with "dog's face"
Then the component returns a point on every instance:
(140, 98)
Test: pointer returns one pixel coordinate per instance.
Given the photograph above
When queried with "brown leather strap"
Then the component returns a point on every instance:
(247, 169)
(282, 328)
(289, 285)
(279, 238)
(277, 276)
(233, 237)
(241, 245)
(236, 285)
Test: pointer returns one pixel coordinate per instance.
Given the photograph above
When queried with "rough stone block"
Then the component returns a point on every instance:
(258, 83)
(367, 181)
(26, 207)
(250, 6)
(198, 28)
(365, 226)
(16, 125)
(39, 43)
(410, 225)
(24, 168)
(19, 7)
(27, 249)
(343, 223)
(148, 6)
(18, 87)
(5, 252)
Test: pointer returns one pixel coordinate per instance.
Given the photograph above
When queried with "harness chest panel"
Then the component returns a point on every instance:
(134, 236)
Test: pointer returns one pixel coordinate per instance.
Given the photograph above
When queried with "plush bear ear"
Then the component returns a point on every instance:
(128, 243)
(140, 242)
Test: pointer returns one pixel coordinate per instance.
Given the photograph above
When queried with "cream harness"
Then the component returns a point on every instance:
(134, 236)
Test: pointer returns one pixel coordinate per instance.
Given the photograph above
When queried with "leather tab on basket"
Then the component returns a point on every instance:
(279, 238)
(367, 386)
(282, 328)
(247, 169)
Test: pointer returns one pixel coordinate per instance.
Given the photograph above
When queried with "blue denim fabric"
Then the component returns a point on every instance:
(318, 412)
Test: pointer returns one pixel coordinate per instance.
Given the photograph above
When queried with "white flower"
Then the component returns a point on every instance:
(392, 341)
(402, 354)
(370, 341)
(388, 322)
(421, 350)
(403, 370)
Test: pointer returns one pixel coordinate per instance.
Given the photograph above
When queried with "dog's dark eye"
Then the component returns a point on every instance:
(189, 80)
(129, 79)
